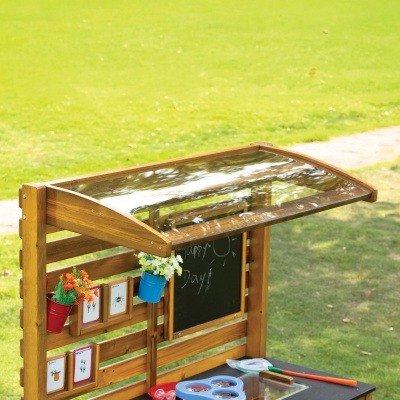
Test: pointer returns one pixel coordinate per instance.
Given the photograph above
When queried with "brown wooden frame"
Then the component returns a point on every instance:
(51, 207)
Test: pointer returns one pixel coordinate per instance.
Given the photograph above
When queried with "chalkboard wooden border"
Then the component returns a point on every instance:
(169, 323)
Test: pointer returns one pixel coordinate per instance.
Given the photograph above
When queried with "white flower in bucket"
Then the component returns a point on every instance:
(155, 265)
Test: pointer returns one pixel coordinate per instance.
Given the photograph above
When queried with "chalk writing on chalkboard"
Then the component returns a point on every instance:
(210, 286)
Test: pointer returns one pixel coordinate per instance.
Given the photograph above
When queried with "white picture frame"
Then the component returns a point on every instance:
(118, 297)
(56, 373)
(83, 359)
(91, 311)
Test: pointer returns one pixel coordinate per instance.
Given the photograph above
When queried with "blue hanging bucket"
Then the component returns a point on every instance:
(151, 287)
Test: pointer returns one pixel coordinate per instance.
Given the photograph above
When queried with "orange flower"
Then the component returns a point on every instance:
(68, 286)
(74, 287)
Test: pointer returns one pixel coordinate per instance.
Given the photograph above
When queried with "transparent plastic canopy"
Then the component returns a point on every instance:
(256, 180)
(209, 196)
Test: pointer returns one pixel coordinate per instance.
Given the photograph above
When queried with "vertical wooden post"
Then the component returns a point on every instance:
(257, 311)
(152, 317)
(152, 320)
(34, 316)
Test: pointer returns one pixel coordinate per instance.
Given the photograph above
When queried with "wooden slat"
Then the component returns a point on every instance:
(255, 219)
(52, 229)
(21, 377)
(127, 392)
(207, 325)
(99, 268)
(200, 343)
(77, 391)
(122, 370)
(196, 367)
(81, 214)
(122, 345)
(63, 249)
(210, 211)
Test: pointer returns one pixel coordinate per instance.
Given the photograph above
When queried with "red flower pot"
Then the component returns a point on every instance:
(57, 314)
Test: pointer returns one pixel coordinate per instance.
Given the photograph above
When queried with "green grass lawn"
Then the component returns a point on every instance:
(334, 298)
(92, 86)
(89, 86)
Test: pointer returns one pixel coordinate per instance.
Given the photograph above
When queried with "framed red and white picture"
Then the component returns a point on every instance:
(91, 311)
(83, 360)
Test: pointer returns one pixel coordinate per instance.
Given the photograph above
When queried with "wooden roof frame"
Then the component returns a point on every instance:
(85, 215)
(51, 207)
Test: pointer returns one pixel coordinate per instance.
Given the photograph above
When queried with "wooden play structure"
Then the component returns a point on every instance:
(213, 209)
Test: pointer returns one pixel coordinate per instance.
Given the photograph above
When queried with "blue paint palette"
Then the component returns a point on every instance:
(214, 388)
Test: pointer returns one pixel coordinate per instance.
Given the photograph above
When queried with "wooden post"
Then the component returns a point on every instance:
(34, 316)
(152, 320)
(257, 311)
(152, 317)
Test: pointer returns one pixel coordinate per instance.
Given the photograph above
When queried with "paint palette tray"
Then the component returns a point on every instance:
(214, 388)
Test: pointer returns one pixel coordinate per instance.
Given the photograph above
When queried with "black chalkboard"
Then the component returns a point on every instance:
(210, 286)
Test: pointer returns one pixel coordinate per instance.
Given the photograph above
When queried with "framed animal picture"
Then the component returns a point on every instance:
(83, 358)
(118, 291)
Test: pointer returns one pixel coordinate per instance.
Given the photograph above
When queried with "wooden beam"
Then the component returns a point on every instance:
(81, 214)
(34, 316)
(257, 311)
(261, 217)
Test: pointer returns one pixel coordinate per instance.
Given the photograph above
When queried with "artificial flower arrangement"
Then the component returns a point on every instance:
(74, 287)
(164, 267)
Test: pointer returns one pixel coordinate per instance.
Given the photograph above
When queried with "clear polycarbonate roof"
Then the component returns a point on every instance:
(239, 189)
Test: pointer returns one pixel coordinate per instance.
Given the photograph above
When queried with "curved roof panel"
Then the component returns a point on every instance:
(197, 198)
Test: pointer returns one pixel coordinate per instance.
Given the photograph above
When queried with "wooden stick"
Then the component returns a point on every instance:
(277, 377)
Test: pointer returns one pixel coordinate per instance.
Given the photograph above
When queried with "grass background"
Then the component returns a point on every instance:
(91, 86)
